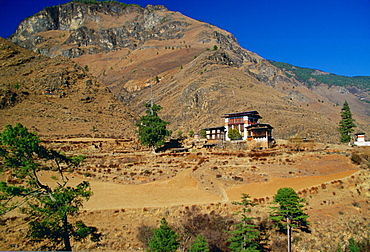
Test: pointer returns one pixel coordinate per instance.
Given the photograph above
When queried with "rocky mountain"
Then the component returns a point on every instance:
(194, 70)
(57, 97)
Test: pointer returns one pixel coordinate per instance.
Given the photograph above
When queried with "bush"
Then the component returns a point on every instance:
(361, 157)
(234, 134)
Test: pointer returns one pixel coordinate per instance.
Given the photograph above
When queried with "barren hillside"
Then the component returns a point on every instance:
(56, 97)
(194, 70)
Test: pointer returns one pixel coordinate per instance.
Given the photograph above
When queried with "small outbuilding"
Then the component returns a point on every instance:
(360, 140)
(215, 133)
(260, 135)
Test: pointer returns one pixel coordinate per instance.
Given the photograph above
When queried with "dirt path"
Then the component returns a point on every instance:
(259, 190)
(184, 190)
(179, 190)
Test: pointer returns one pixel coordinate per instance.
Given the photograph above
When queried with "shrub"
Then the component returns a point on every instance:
(234, 134)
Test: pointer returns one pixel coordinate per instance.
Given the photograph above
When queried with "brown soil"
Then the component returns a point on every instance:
(133, 188)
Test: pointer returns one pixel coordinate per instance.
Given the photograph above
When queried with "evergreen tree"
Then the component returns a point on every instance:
(48, 206)
(152, 130)
(347, 124)
(164, 239)
(245, 237)
(191, 133)
(289, 207)
(199, 245)
(203, 133)
(290, 212)
(352, 246)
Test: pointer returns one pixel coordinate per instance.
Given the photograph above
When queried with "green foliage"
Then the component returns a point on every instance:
(347, 124)
(245, 236)
(199, 245)
(215, 48)
(164, 239)
(203, 133)
(290, 207)
(355, 246)
(48, 206)
(191, 133)
(306, 75)
(352, 246)
(234, 134)
(152, 130)
(86, 67)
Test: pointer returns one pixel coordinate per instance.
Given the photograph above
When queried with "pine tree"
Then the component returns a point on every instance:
(290, 212)
(164, 239)
(47, 205)
(152, 130)
(352, 246)
(199, 245)
(347, 124)
(289, 207)
(245, 237)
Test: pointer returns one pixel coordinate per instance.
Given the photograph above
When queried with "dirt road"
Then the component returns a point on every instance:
(184, 190)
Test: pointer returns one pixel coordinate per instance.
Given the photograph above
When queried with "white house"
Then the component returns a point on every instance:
(249, 128)
(360, 140)
(240, 121)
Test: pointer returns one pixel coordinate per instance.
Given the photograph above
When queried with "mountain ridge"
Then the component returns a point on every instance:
(304, 74)
(194, 70)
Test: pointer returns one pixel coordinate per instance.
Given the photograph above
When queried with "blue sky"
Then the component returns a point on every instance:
(330, 35)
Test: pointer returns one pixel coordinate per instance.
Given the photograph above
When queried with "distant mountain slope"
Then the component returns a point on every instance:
(312, 77)
(56, 97)
(194, 70)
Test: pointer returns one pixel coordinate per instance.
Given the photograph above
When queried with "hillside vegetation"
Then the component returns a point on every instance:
(311, 76)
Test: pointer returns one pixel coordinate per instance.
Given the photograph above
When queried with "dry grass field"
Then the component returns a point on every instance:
(134, 189)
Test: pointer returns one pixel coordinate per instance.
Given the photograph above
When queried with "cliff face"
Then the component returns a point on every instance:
(194, 70)
(118, 27)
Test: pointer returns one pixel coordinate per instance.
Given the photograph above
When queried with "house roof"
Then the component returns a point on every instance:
(246, 113)
(215, 128)
(260, 126)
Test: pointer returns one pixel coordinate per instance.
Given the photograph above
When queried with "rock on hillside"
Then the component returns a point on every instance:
(56, 97)
(194, 70)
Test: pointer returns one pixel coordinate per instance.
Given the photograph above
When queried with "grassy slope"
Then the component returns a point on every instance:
(309, 76)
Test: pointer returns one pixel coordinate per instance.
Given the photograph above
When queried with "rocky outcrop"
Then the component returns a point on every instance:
(78, 20)
(88, 32)
(196, 71)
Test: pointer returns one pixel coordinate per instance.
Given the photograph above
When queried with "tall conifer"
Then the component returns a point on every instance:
(245, 236)
(346, 125)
